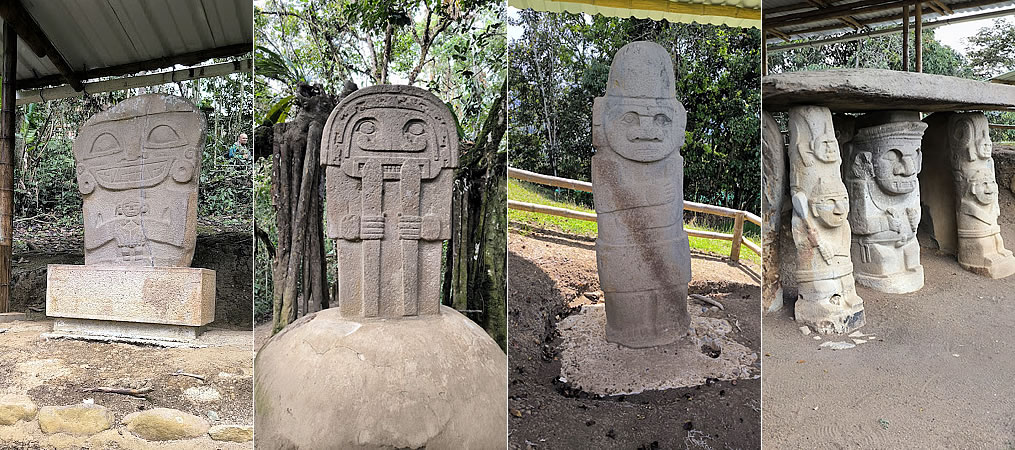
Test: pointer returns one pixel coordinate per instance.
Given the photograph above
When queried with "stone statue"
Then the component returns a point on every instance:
(827, 298)
(390, 154)
(138, 167)
(884, 193)
(774, 178)
(642, 252)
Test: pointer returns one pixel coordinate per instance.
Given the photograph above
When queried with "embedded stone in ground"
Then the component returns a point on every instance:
(75, 419)
(11, 316)
(232, 433)
(15, 407)
(164, 424)
(596, 366)
(202, 394)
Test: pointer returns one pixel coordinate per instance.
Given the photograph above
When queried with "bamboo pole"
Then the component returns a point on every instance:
(7, 98)
(905, 38)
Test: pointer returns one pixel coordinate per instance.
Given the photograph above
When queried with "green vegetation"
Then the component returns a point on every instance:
(532, 193)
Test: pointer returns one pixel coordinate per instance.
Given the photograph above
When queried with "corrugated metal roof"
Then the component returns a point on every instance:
(1008, 78)
(734, 13)
(776, 9)
(98, 34)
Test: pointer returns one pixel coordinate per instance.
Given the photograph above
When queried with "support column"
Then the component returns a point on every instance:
(905, 38)
(7, 99)
(918, 45)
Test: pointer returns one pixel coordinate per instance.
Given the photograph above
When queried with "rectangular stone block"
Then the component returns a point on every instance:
(160, 295)
(116, 330)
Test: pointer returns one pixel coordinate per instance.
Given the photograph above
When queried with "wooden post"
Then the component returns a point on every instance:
(905, 38)
(738, 237)
(7, 99)
(918, 45)
(764, 55)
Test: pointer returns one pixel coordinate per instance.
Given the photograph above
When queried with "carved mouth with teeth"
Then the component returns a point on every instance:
(133, 175)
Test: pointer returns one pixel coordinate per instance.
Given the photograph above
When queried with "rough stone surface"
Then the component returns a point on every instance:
(164, 424)
(163, 295)
(433, 380)
(138, 167)
(16, 407)
(861, 90)
(590, 363)
(75, 419)
(962, 197)
(775, 189)
(231, 433)
(642, 251)
(827, 298)
(11, 316)
(123, 330)
(389, 153)
(881, 173)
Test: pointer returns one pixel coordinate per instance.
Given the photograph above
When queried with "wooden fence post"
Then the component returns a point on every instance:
(738, 237)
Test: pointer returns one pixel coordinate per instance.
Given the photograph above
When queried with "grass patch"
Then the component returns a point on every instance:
(532, 193)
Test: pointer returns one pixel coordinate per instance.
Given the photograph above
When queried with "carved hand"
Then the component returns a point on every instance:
(371, 227)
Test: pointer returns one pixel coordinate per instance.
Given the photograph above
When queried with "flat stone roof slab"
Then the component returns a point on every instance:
(862, 90)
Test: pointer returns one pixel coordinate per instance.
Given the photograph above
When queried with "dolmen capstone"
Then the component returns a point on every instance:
(388, 366)
(642, 252)
(138, 166)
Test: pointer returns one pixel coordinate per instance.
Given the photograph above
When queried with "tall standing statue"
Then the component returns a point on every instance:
(390, 154)
(774, 176)
(827, 298)
(642, 252)
(884, 191)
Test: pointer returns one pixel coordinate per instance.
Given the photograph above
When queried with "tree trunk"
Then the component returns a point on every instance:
(476, 266)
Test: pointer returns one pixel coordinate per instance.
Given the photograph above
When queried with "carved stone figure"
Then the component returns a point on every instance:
(774, 176)
(138, 167)
(390, 154)
(961, 191)
(884, 192)
(827, 297)
(642, 252)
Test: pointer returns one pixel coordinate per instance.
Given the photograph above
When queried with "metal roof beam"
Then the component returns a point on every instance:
(14, 13)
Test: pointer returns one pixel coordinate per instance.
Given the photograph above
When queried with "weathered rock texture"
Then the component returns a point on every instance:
(642, 252)
(390, 154)
(16, 407)
(961, 193)
(775, 179)
(883, 162)
(138, 167)
(75, 419)
(434, 381)
(231, 433)
(827, 298)
(164, 424)
(861, 90)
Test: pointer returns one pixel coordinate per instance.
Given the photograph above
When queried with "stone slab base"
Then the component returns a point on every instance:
(590, 363)
(151, 295)
(900, 283)
(11, 316)
(130, 332)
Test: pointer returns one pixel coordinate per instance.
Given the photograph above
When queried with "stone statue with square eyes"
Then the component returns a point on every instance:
(642, 250)
(884, 162)
(827, 298)
(964, 200)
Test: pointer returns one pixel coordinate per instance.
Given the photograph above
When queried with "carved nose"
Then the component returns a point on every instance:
(907, 168)
(645, 133)
(132, 153)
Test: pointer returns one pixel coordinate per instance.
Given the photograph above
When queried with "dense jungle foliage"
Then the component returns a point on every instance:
(454, 49)
(45, 181)
(560, 63)
(989, 52)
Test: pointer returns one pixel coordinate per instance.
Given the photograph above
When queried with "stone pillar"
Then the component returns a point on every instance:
(390, 154)
(642, 252)
(884, 159)
(774, 179)
(966, 223)
(827, 297)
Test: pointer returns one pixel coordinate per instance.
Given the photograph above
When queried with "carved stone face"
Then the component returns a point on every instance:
(392, 131)
(825, 148)
(831, 208)
(644, 130)
(896, 169)
(983, 188)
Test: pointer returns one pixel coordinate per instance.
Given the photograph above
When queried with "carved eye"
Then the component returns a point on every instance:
(631, 118)
(661, 120)
(163, 136)
(415, 128)
(105, 144)
(367, 127)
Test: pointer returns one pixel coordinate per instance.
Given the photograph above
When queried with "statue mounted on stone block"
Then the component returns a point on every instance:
(642, 251)
(827, 297)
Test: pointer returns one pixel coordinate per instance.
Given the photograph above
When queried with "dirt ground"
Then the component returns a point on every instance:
(54, 372)
(548, 274)
(937, 376)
